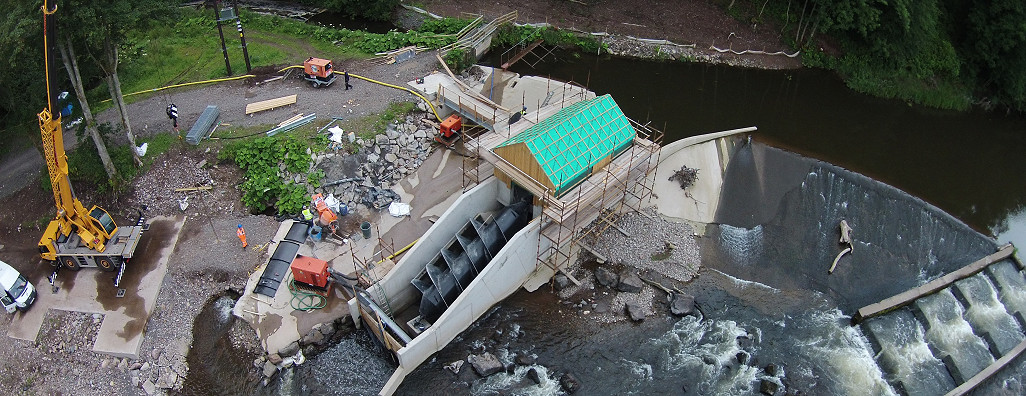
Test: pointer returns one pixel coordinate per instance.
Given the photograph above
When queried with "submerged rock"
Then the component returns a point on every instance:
(524, 359)
(485, 364)
(569, 383)
(768, 387)
(533, 375)
(682, 304)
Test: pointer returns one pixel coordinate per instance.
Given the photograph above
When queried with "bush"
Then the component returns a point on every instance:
(269, 164)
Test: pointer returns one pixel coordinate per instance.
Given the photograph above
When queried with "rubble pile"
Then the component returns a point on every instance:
(367, 176)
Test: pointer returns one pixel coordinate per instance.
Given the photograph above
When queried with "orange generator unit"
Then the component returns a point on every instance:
(310, 271)
(449, 130)
(318, 72)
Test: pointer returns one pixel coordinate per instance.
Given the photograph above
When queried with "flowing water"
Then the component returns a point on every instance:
(770, 312)
(949, 332)
(902, 351)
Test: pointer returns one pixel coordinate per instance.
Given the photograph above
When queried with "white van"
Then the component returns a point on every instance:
(16, 292)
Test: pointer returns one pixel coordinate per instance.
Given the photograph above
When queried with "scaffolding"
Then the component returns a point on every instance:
(623, 186)
(477, 155)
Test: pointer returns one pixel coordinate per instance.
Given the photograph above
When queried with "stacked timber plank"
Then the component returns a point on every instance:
(270, 104)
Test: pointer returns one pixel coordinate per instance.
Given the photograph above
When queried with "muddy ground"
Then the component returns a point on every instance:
(208, 259)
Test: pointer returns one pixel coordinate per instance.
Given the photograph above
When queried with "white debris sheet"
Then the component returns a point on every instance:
(399, 209)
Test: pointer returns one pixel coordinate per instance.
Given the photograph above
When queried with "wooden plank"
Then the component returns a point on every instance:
(192, 188)
(902, 299)
(977, 379)
(521, 54)
(270, 104)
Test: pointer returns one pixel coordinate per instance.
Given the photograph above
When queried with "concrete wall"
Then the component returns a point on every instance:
(396, 284)
(503, 275)
(710, 154)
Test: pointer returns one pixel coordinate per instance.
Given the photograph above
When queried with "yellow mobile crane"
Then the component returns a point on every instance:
(77, 237)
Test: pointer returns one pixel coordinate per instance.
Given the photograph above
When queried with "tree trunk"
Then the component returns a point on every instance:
(71, 64)
(114, 85)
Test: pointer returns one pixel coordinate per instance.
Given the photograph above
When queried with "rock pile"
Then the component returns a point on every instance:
(366, 176)
(319, 338)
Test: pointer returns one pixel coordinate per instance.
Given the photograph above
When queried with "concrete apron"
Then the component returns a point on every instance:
(429, 191)
(709, 153)
(91, 291)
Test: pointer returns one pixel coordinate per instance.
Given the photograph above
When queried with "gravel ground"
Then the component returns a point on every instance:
(365, 98)
(643, 251)
(647, 236)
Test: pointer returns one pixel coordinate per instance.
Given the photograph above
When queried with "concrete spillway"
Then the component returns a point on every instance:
(460, 261)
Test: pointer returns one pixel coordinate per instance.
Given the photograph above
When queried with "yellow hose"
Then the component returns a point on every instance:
(439, 118)
(184, 85)
(400, 251)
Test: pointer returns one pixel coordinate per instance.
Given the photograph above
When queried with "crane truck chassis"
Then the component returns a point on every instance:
(77, 238)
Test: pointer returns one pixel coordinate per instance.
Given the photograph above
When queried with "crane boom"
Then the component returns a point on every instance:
(76, 237)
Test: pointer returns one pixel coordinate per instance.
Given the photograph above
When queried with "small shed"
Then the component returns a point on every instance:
(564, 149)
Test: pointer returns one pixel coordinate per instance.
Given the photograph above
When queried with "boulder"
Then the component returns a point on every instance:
(630, 282)
(390, 157)
(771, 370)
(533, 375)
(420, 134)
(289, 349)
(569, 383)
(524, 359)
(561, 281)
(635, 311)
(485, 364)
(327, 329)
(274, 358)
(269, 369)
(742, 357)
(768, 387)
(606, 277)
(149, 387)
(381, 139)
(372, 158)
(682, 304)
(314, 337)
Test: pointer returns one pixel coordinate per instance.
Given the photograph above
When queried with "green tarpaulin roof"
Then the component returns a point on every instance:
(569, 143)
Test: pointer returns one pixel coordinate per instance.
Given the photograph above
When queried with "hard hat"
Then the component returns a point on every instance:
(240, 225)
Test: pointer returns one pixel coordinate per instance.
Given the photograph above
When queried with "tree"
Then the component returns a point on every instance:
(71, 65)
(22, 89)
(103, 26)
(995, 49)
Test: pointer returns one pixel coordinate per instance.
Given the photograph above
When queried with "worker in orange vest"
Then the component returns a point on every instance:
(241, 232)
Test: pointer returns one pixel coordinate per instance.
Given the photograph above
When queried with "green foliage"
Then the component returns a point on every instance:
(514, 35)
(395, 111)
(262, 160)
(378, 10)
(444, 25)
(995, 50)
(368, 43)
(458, 59)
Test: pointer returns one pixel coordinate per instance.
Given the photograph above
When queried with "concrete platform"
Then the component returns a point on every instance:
(429, 191)
(92, 291)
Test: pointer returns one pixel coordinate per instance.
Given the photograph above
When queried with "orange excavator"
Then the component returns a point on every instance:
(77, 237)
